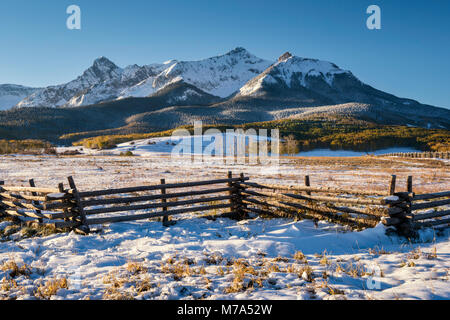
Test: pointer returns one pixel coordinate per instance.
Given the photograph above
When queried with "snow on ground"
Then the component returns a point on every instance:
(184, 145)
(165, 145)
(199, 258)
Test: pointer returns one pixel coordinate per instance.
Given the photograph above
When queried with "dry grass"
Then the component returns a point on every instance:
(51, 287)
(409, 264)
(324, 259)
(280, 259)
(306, 273)
(378, 251)
(213, 258)
(135, 279)
(135, 268)
(144, 285)
(181, 268)
(113, 293)
(415, 254)
(354, 270)
(433, 254)
(240, 282)
(29, 229)
(334, 291)
(14, 270)
(300, 257)
(8, 284)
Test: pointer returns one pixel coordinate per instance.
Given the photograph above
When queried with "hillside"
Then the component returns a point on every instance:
(309, 134)
(232, 89)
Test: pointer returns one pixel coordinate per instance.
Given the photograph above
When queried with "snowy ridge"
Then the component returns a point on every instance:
(263, 89)
(101, 82)
(291, 70)
(11, 94)
(219, 76)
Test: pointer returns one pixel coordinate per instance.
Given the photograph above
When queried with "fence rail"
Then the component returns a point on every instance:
(72, 208)
(410, 216)
(235, 197)
(422, 155)
(360, 208)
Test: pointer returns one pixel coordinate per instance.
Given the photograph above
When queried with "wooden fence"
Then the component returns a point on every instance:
(235, 197)
(360, 208)
(44, 204)
(411, 214)
(422, 155)
(71, 208)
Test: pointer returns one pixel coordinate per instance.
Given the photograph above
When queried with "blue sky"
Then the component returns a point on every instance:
(409, 56)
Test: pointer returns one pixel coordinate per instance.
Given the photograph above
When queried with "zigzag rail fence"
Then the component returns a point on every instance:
(233, 197)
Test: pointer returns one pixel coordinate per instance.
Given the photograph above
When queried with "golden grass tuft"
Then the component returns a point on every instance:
(433, 254)
(8, 284)
(113, 293)
(15, 270)
(415, 254)
(306, 273)
(135, 268)
(51, 288)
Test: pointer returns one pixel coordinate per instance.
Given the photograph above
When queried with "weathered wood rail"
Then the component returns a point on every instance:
(407, 215)
(234, 197)
(360, 208)
(70, 208)
(421, 155)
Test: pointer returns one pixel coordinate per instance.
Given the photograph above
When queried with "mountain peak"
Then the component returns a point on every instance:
(104, 62)
(285, 56)
(238, 51)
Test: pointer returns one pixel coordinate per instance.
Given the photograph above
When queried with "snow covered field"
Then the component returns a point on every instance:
(200, 258)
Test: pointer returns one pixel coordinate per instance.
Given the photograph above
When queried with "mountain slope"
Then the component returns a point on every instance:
(101, 82)
(295, 83)
(177, 93)
(11, 94)
(104, 81)
(314, 80)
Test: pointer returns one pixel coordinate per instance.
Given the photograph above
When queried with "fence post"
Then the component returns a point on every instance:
(231, 193)
(392, 185)
(242, 206)
(399, 213)
(165, 220)
(307, 184)
(409, 184)
(65, 210)
(83, 227)
(236, 200)
(33, 185)
(410, 196)
(1, 184)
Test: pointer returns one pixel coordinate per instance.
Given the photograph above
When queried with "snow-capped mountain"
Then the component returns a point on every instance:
(294, 72)
(236, 87)
(218, 76)
(295, 81)
(11, 94)
(102, 81)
